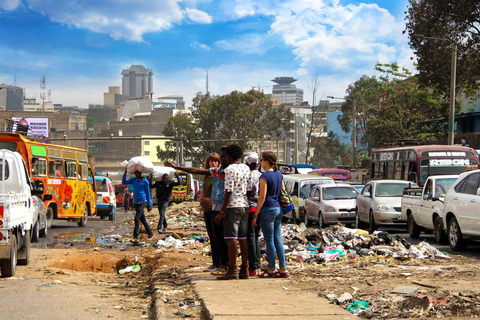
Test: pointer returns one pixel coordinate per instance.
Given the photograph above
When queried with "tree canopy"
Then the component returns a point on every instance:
(459, 22)
(236, 117)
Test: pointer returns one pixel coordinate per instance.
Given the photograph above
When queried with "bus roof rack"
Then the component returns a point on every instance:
(404, 143)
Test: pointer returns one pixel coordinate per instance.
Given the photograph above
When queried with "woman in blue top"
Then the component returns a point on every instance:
(271, 182)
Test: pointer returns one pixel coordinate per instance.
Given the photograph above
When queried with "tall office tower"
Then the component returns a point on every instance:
(287, 92)
(137, 81)
(11, 97)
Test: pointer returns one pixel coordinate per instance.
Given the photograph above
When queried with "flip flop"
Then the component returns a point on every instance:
(283, 274)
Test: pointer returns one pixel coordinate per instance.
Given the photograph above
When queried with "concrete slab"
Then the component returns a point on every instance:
(263, 299)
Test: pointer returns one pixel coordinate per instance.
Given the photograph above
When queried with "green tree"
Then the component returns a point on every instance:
(457, 21)
(330, 152)
(237, 116)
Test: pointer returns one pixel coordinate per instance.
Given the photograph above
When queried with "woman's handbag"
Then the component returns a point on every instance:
(285, 201)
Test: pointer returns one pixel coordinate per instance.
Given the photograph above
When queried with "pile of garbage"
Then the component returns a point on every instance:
(333, 243)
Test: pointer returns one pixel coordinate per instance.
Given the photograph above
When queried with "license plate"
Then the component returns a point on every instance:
(348, 214)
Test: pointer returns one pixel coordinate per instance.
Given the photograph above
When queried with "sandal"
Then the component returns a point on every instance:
(133, 240)
(150, 237)
(283, 274)
(268, 275)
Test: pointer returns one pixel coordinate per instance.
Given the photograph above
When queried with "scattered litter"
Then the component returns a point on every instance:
(404, 289)
(357, 307)
(132, 268)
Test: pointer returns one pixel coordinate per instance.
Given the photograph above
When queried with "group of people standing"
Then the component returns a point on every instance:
(237, 200)
(235, 197)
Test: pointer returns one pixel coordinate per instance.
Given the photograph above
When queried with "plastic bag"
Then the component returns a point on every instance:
(159, 171)
(141, 164)
(132, 268)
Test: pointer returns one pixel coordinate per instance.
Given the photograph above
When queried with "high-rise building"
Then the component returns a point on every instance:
(137, 81)
(287, 92)
(11, 97)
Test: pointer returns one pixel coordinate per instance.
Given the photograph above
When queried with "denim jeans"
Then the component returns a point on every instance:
(140, 217)
(209, 217)
(253, 244)
(162, 221)
(271, 221)
(222, 244)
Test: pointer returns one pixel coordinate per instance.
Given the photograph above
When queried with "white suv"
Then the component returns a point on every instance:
(462, 210)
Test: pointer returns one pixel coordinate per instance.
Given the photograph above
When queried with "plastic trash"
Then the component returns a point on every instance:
(133, 268)
(357, 306)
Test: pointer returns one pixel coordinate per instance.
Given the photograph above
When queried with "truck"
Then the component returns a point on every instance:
(423, 207)
(17, 211)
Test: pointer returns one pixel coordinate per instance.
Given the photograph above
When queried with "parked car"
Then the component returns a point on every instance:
(106, 199)
(379, 203)
(423, 207)
(40, 226)
(330, 204)
(461, 210)
(299, 186)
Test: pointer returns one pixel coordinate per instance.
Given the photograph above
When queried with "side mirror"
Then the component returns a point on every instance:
(314, 198)
(38, 188)
(47, 197)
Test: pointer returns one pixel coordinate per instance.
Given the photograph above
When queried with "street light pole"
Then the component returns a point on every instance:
(453, 75)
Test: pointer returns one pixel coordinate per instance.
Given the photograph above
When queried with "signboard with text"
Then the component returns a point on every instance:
(36, 126)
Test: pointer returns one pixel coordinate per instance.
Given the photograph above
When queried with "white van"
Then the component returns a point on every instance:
(298, 186)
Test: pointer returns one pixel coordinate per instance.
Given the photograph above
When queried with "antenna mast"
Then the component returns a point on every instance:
(42, 95)
(207, 84)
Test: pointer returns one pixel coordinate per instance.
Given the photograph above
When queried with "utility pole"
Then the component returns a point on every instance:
(354, 135)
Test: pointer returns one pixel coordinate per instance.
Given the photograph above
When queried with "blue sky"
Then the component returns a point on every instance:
(81, 46)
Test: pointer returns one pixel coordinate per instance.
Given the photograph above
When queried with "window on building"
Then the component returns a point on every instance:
(147, 143)
(147, 153)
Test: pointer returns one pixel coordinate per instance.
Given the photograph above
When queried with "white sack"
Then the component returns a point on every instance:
(159, 171)
(141, 164)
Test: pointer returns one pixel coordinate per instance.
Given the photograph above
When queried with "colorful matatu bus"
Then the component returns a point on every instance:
(185, 191)
(65, 172)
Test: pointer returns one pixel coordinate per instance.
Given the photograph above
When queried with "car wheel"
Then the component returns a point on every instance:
(321, 223)
(440, 235)
(83, 221)
(36, 232)
(49, 215)
(455, 238)
(294, 217)
(24, 252)
(412, 226)
(8, 266)
(307, 220)
(358, 223)
(112, 216)
(44, 230)
(371, 223)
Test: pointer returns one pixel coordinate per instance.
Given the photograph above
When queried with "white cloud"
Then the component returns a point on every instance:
(198, 45)
(198, 16)
(9, 5)
(247, 44)
(122, 20)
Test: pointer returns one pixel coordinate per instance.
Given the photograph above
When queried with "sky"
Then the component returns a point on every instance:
(81, 46)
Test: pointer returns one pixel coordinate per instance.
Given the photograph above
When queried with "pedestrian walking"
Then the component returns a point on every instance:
(268, 207)
(254, 254)
(141, 199)
(234, 213)
(163, 191)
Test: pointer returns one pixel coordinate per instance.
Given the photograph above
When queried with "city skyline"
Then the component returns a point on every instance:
(82, 50)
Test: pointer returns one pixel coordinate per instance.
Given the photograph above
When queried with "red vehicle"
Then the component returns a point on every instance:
(335, 174)
(417, 163)
(120, 193)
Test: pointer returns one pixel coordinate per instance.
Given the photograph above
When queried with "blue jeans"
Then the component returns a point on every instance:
(162, 221)
(271, 221)
(140, 217)
(253, 244)
(222, 245)
(209, 217)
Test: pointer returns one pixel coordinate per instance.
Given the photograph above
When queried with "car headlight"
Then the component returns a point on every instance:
(385, 208)
(330, 209)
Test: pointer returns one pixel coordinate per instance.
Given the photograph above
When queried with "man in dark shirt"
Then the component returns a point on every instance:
(163, 193)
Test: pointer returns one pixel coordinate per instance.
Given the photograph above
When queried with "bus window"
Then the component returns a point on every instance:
(55, 168)
(39, 167)
(82, 170)
(71, 170)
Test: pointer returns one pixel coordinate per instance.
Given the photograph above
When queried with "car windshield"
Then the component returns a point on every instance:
(391, 189)
(337, 193)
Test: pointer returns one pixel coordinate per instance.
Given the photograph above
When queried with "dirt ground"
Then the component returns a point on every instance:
(393, 288)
